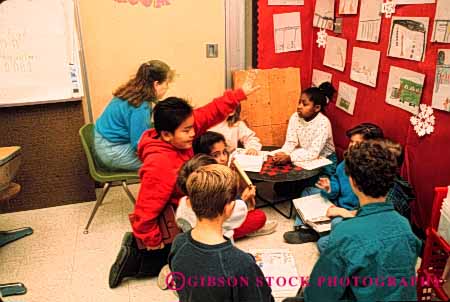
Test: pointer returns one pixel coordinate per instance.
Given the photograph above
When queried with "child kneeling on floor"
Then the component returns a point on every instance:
(256, 223)
(204, 254)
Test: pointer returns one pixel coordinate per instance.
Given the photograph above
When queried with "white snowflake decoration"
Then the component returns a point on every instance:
(388, 8)
(322, 38)
(424, 121)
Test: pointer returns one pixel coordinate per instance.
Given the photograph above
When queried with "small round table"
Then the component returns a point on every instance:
(271, 173)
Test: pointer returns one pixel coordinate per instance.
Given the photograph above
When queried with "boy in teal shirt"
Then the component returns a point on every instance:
(372, 256)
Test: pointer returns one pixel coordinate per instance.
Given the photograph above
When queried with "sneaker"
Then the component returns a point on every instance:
(127, 261)
(301, 235)
(162, 277)
(269, 228)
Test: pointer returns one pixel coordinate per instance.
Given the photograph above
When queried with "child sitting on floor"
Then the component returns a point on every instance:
(337, 189)
(373, 255)
(204, 254)
(236, 131)
(309, 133)
(163, 151)
(185, 216)
(213, 144)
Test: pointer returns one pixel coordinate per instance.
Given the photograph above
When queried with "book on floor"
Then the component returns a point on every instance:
(312, 210)
(278, 267)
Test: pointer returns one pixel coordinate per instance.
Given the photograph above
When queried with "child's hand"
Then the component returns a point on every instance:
(251, 152)
(158, 247)
(281, 158)
(248, 195)
(333, 211)
(249, 85)
(324, 184)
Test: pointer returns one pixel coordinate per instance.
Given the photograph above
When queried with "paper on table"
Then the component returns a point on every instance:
(250, 163)
(314, 164)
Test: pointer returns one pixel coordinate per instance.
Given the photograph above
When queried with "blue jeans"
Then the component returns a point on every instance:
(115, 156)
(322, 243)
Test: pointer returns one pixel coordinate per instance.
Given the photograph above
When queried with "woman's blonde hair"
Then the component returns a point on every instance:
(140, 88)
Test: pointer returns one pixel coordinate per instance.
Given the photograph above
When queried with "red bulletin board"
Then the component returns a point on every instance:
(427, 163)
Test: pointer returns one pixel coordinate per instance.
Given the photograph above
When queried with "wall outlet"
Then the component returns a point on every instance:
(212, 50)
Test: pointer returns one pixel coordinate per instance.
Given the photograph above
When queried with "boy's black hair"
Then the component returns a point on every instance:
(170, 113)
(320, 95)
(190, 166)
(372, 166)
(204, 143)
(367, 131)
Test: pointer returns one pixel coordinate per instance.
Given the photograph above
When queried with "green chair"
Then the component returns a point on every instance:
(108, 178)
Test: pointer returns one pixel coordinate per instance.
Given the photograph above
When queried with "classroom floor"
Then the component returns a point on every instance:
(58, 263)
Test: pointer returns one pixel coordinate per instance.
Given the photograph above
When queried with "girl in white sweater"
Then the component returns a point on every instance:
(234, 130)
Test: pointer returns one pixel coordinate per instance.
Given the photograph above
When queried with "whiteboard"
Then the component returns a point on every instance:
(39, 60)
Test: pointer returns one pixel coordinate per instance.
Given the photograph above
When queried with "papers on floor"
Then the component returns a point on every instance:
(278, 266)
(314, 164)
(444, 221)
(313, 209)
(250, 163)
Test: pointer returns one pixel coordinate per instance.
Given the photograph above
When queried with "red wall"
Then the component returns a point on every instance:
(427, 161)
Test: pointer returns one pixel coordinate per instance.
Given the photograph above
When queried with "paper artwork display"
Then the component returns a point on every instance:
(335, 53)
(404, 89)
(388, 8)
(288, 35)
(369, 21)
(414, 1)
(441, 90)
(408, 38)
(365, 66)
(322, 38)
(286, 2)
(348, 7)
(346, 97)
(319, 77)
(441, 28)
(324, 14)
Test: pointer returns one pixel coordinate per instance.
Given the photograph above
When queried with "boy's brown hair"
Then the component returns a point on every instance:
(210, 188)
(199, 160)
(372, 166)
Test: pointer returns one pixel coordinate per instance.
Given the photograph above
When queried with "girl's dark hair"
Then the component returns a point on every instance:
(140, 88)
(367, 131)
(236, 117)
(204, 143)
(190, 166)
(170, 113)
(320, 95)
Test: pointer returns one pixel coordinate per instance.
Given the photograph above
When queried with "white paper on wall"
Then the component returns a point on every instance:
(346, 97)
(335, 53)
(441, 90)
(286, 2)
(365, 66)
(441, 28)
(369, 21)
(408, 38)
(287, 31)
(319, 77)
(324, 14)
(348, 7)
(404, 89)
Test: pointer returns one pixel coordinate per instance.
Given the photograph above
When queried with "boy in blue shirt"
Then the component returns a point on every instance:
(372, 256)
(337, 189)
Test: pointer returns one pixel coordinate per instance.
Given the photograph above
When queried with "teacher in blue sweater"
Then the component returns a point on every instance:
(128, 115)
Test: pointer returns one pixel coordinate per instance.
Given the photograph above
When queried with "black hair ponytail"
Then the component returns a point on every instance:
(321, 95)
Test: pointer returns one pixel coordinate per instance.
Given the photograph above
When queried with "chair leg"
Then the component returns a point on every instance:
(130, 196)
(97, 204)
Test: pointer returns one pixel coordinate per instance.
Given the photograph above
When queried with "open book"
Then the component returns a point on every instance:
(313, 209)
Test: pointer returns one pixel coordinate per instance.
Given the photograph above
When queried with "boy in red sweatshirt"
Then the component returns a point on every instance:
(163, 150)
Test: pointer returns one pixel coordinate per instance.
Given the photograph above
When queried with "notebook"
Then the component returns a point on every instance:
(313, 209)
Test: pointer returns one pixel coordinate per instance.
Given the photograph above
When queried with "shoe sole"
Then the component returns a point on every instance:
(119, 264)
(256, 234)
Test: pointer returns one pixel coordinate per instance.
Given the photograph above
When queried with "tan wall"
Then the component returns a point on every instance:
(117, 37)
